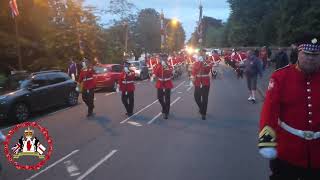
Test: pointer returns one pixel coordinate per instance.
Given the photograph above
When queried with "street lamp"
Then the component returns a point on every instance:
(126, 27)
(174, 22)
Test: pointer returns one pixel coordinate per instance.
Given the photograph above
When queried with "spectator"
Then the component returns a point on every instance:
(252, 68)
(294, 54)
(281, 59)
(263, 55)
(73, 70)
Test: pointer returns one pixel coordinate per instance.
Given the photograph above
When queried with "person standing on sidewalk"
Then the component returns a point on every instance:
(281, 59)
(88, 85)
(126, 86)
(294, 54)
(289, 124)
(164, 73)
(252, 68)
(201, 80)
(73, 70)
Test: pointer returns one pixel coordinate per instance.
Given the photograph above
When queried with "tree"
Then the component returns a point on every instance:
(147, 30)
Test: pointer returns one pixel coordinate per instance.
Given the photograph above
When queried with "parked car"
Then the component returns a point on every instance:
(26, 93)
(107, 75)
(140, 68)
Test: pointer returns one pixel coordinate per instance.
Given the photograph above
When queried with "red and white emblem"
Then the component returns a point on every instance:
(271, 84)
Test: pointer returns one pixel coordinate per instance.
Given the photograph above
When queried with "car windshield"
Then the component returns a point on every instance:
(14, 82)
(100, 69)
(135, 64)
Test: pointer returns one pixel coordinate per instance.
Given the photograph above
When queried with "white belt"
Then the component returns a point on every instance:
(87, 79)
(307, 135)
(127, 82)
(166, 79)
(203, 75)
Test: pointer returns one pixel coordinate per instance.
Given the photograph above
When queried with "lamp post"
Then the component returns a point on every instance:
(173, 22)
(125, 24)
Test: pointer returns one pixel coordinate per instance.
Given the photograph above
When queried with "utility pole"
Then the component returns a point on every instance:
(200, 25)
(126, 27)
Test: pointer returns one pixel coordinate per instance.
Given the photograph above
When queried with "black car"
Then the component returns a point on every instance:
(23, 94)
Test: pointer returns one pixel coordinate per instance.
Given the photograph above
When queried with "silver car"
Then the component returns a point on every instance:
(140, 68)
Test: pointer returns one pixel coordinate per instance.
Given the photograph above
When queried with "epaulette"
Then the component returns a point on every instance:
(282, 67)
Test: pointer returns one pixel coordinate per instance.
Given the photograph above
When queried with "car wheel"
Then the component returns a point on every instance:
(20, 112)
(73, 98)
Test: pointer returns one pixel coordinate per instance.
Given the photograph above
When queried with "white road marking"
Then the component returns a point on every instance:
(90, 170)
(134, 123)
(189, 88)
(178, 86)
(108, 94)
(124, 121)
(52, 165)
(138, 83)
(72, 169)
(156, 117)
(179, 92)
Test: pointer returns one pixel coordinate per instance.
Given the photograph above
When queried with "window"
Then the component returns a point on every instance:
(100, 70)
(55, 78)
(39, 81)
(117, 68)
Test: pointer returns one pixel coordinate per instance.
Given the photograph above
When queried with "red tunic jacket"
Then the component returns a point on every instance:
(126, 82)
(293, 98)
(86, 77)
(200, 73)
(164, 77)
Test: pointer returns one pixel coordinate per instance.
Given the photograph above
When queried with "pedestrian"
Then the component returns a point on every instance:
(201, 80)
(281, 58)
(164, 73)
(126, 86)
(252, 68)
(289, 124)
(263, 55)
(73, 70)
(88, 84)
(294, 54)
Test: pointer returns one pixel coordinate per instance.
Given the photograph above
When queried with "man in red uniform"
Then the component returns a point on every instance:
(126, 86)
(290, 118)
(163, 72)
(215, 59)
(88, 85)
(201, 80)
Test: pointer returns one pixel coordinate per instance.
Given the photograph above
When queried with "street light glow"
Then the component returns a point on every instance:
(174, 21)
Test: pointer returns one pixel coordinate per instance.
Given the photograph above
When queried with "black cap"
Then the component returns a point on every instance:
(309, 43)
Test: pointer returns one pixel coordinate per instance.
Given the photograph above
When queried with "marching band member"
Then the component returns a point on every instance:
(126, 86)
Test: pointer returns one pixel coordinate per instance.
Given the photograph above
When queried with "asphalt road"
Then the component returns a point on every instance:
(146, 147)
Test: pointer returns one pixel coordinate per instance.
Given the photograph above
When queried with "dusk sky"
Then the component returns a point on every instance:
(186, 11)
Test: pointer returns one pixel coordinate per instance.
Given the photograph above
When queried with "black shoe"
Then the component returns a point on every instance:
(89, 114)
(129, 114)
(203, 117)
(165, 116)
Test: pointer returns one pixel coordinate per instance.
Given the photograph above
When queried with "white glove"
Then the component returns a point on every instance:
(117, 90)
(191, 84)
(268, 152)
(77, 89)
(151, 79)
